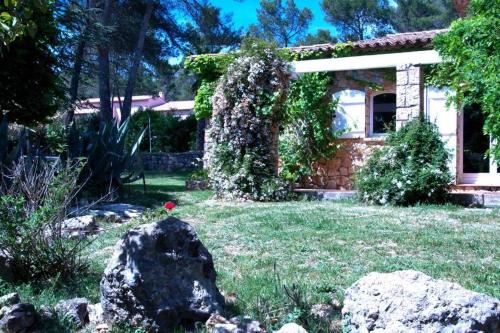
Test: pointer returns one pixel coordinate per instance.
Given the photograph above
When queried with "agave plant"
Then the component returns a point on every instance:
(107, 161)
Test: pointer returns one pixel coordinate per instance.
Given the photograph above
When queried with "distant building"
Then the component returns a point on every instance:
(180, 109)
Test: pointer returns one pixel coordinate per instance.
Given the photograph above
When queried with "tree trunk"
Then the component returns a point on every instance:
(75, 80)
(103, 54)
(132, 75)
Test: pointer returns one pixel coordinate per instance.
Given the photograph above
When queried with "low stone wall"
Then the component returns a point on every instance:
(337, 173)
(169, 162)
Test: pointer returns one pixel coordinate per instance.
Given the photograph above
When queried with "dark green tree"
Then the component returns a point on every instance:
(358, 19)
(322, 36)
(281, 22)
(418, 15)
(208, 30)
(30, 87)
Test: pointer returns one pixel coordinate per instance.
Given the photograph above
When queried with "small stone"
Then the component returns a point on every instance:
(102, 328)
(19, 318)
(75, 309)
(79, 225)
(9, 299)
(219, 324)
(322, 312)
(291, 328)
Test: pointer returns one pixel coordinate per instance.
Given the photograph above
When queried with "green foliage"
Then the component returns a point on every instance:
(18, 19)
(209, 67)
(33, 204)
(307, 135)
(30, 85)
(471, 51)
(56, 135)
(358, 19)
(108, 163)
(203, 100)
(410, 169)
(248, 102)
(419, 15)
(168, 133)
(281, 22)
(322, 36)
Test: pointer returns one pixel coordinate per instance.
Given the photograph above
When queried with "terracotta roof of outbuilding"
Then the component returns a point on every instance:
(392, 41)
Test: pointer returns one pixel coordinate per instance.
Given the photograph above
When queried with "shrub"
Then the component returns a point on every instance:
(34, 201)
(247, 104)
(203, 100)
(411, 168)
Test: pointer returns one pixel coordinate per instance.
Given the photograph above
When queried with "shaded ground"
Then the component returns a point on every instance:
(316, 249)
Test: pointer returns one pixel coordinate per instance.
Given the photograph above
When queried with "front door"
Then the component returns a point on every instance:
(478, 168)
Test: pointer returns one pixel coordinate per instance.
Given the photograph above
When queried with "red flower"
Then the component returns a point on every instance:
(169, 205)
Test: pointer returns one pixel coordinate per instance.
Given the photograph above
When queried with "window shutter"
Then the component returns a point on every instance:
(445, 118)
(350, 113)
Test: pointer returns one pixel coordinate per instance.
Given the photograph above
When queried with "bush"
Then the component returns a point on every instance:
(35, 198)
(169, 134)
(411, 168)
(247, 104)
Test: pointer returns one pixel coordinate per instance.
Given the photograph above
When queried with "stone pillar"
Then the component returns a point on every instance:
(410, 93)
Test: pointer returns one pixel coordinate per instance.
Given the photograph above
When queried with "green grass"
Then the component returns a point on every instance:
(320, 247)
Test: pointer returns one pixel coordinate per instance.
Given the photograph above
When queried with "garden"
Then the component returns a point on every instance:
(91, 241)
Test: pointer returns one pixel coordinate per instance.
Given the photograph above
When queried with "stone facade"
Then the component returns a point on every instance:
(338, 172)
(409, 92)
(172, 161)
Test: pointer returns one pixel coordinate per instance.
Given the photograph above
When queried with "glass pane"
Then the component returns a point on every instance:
(384, 113)
(476, 143)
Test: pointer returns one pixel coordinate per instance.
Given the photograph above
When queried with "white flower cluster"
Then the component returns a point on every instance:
(246, 106)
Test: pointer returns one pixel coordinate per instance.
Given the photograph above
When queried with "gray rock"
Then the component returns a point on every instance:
(75, 309)
(20, 318)
(85, 224)
(291, 328)
(95, 314)
(219, 324)
(127, 211)
(160, 276)
(9, 299)
(410, 301)
(322, 312)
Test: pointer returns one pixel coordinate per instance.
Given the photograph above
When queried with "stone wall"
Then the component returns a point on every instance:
(409, 91)
(339, 171)
(169, 162)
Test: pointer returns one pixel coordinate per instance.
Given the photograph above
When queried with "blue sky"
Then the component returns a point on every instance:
(245, 12)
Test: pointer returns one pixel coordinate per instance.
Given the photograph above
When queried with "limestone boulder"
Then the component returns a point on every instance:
(19, 318)
(74, 309)
(160, 276)
(410, 301)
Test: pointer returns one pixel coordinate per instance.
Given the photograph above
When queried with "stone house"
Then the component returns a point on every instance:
(381, 86)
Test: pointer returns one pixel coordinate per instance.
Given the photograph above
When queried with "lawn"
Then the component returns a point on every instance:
(316, 249)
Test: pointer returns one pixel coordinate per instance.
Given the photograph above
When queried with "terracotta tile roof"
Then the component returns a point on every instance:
(392, 41)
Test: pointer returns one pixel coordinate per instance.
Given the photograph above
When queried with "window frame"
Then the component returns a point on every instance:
(372, 97)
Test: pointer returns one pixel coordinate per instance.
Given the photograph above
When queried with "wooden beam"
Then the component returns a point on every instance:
(387, 60)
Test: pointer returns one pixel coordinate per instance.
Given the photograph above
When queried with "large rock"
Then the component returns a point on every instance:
(160, 276)
(20, 318)
(75, 309)
(9, 299)
(410, 301)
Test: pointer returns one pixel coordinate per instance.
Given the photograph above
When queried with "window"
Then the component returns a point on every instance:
(383, 113)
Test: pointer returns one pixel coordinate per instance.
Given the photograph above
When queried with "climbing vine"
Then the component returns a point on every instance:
(307, 134)
(247, 105)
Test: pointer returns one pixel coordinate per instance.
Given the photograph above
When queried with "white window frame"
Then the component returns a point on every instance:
(372, 97)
